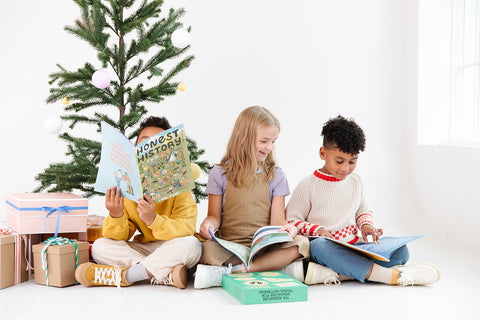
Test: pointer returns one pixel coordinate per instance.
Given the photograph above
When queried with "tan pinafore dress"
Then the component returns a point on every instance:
(244, 212)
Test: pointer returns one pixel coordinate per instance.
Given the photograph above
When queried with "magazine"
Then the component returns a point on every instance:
(382, 250)
(263, 237)
(159, 166)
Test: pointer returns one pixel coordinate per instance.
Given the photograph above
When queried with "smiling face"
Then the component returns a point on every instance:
(337, 163)
(264, 141)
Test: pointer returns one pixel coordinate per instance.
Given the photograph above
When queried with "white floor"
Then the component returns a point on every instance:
(455, 296)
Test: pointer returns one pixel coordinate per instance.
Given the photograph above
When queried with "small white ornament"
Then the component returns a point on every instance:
(101, 79)
(52, 124)
(180, 38)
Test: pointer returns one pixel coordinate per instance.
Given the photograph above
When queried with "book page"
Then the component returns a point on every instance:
(241, 251)
(118, 166)
(387, 245)
(382, 250)
(164, 164)
(266, 236)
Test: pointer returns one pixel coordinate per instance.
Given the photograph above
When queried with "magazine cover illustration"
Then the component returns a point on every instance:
(159, 166)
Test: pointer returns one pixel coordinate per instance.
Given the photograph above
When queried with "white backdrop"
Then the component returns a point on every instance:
(307, 61)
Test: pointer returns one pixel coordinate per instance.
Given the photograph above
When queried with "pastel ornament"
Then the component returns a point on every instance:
(101, 79)
(81, 22)
(65, 100)
(180, 38)
(196, 171)
(181, 86)
(51, 99)
(52, 124)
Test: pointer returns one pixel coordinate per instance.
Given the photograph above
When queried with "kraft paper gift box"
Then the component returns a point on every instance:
(12, 260)
(61, 263)
(264, 287)
(31, 213)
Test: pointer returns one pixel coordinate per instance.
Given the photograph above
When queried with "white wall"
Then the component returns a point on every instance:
(307, 61)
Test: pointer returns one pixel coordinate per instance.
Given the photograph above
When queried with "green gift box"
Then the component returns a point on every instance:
(264, 287)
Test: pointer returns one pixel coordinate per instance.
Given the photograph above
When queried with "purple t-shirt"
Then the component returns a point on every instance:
(217, 183)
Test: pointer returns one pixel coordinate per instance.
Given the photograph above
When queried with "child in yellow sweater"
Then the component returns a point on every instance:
(164, 248)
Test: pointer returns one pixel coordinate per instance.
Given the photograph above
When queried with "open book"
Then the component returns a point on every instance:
(263, 237)
(382, 250)
(159, 166)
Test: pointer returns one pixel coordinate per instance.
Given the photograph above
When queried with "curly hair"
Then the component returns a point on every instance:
(343, 134)
(158, 122)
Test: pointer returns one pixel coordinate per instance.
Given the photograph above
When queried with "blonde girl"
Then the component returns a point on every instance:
(246, 191)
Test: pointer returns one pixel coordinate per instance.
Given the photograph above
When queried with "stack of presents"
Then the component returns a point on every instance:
(52, 233)
(47, 234)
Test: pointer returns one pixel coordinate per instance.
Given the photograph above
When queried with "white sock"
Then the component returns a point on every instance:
(239, 268)
(136, 273)
(385, 275)
(343, 277)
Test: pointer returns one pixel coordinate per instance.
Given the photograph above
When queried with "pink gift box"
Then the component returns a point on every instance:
(38, 212)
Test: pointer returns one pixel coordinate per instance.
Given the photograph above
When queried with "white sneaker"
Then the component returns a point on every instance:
(294, 270)
(316, 273)
(419, 274)
(209, 276)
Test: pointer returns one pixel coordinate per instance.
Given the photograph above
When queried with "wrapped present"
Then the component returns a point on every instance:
(81, 236)
(264, 287)
(13, 263)
(94, 227)
(56, 260)
(30, 213)
(93, 233)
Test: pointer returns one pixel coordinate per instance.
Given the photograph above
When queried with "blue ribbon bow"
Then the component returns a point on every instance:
(52, 210)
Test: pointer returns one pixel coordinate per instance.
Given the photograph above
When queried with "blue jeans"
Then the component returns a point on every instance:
(348, 262)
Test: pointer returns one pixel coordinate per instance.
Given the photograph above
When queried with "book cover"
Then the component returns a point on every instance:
(382, 250)
(264, 287)
(263, 237)
(159, 166)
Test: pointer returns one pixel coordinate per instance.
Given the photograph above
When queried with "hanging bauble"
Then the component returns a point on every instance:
(81, 22)
(196, 171)
(65, 100)
(101, 79)
(51, 99)
(180, 38)
(52, 124)
(181, 86)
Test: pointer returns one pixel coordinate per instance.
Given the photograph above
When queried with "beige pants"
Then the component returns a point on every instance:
(158, 257)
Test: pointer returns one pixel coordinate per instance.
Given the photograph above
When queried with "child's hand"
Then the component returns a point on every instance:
(145, 209)
(291, 229)
(322, 232)
(204, 227)
(368, 229)
(114, 202)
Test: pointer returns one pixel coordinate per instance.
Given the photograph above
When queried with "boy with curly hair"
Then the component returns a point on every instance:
(331, 203)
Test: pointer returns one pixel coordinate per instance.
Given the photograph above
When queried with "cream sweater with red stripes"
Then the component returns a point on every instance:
(321, 200)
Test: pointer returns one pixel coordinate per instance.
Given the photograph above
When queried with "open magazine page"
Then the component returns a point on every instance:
(387, 245)
(164, 164)
(266, 236)
(118, 166)
(382, 250)
(241, 251)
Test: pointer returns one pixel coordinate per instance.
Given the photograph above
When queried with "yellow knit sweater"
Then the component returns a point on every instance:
(176, 217)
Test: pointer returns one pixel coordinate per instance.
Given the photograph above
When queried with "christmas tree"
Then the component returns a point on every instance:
(132, 39)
